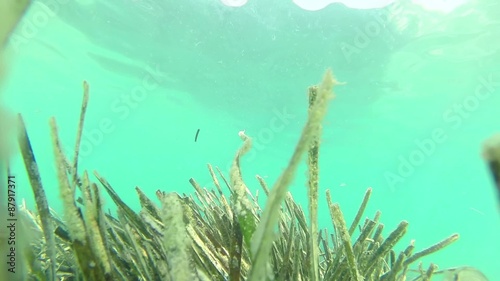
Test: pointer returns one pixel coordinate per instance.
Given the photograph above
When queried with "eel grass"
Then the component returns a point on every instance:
(205, 235)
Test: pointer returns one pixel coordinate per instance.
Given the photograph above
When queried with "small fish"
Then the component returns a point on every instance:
(465, 273)
(196, 136)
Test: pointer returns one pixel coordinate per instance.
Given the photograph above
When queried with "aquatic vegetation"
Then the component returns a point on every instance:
(491, 153)
(204, 236)
(10, 13)
(207, 236)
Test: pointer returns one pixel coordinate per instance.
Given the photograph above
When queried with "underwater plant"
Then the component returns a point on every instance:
(203, 236)
(491, 154)
(207, 236)
(11, 12)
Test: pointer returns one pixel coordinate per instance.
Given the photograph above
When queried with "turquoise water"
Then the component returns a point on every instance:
(421, 95)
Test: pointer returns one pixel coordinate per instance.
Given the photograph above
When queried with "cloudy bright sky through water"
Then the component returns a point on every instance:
(314, 5)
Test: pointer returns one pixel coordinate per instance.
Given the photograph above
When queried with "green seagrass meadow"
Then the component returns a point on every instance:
(218, 233)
